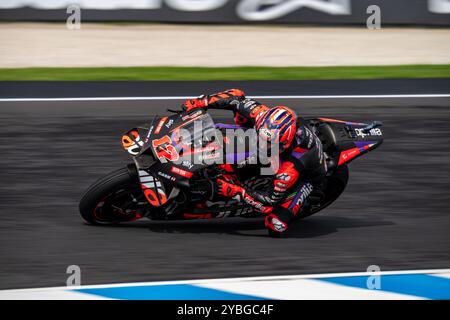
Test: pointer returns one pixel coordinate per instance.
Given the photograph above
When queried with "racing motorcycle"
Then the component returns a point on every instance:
(170, 177)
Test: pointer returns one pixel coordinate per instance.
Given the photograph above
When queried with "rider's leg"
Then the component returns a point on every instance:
(283, 214)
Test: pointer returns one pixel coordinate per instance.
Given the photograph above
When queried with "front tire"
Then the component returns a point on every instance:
(117, 197)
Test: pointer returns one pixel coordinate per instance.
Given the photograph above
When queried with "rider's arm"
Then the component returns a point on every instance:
(245, 109)
(264, 201)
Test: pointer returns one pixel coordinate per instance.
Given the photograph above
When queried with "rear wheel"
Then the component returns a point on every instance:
(115, 198)
(335, 185)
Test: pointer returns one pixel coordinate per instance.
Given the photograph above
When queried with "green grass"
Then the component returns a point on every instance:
(228, 73)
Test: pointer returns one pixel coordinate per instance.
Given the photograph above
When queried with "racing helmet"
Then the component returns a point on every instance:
(277, 124)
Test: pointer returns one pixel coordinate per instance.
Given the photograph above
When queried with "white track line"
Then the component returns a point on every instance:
(225, 280)
(368, 96)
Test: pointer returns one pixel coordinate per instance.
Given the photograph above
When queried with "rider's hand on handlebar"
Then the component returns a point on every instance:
(227, 188)
(191, 104)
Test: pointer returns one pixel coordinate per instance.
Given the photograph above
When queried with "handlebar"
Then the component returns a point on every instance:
(174, 111)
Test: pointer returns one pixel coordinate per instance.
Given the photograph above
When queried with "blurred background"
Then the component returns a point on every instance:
(356, 60)
(223, 33)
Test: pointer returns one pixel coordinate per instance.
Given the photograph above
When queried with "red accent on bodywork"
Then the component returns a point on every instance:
(347, 155)
(152, 198)
(298, 149)
(340, 121)
(209, 148)
(185, 123)
(181, 172)
(197, 216)
(227, 167)
(331, 120)
(164, 149)
(160, 124)
(288, 203)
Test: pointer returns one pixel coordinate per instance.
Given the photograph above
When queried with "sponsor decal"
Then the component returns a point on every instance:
(153, 198)
(164, 150)
(160, 124)
(372, 132)
(305, 191)
(181, 172)
(347, 155)
(149, 133)
(169, 123)
(309, 136)
(191, 115)
(207, 149)
(210, 156)
(152, 188)
(166, 176)
(320, 149)
(258, 205)
(132, 142)
(187, 164)
(190, 118)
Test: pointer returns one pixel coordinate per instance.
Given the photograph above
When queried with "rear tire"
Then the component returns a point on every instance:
(100, 204)
(336, 184)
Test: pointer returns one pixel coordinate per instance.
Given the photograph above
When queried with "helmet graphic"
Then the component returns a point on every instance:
(277, 124)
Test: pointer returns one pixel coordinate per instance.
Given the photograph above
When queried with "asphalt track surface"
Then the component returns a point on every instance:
(394, 214)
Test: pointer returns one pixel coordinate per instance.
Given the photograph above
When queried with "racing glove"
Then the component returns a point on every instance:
(228, 189)
(191, 104)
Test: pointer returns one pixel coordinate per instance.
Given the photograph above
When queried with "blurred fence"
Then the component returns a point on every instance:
(395, 12)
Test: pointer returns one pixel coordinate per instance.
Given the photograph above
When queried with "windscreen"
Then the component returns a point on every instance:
(183, 142)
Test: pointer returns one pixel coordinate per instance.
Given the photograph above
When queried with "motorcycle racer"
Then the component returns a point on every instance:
(300, 150)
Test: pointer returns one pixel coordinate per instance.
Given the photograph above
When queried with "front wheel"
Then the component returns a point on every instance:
(117, 197)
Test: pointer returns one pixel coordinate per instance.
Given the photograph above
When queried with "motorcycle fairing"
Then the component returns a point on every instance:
(132, 140)
(361, 147)
(161, 176)
(347, 140)
(153, 189)
(179, 158)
